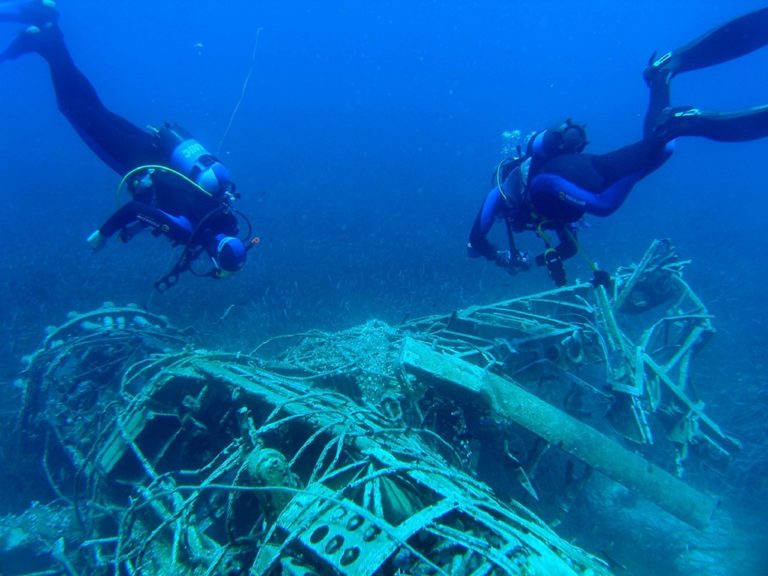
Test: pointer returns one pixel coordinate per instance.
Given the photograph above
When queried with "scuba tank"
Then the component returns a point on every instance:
(187, 156)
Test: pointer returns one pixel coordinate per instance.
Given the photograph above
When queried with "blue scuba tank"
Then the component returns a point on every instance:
(187, 156)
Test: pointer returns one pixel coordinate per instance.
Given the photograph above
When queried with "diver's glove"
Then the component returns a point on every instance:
(96, 240)
(554, 263)
(513, 262)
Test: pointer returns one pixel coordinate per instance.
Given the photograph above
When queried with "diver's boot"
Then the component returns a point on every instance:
(659, 70)
(678, 121)
(33, 39)
(37, 12)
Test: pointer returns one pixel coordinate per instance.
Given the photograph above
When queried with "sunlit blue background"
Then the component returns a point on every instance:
(363, 147)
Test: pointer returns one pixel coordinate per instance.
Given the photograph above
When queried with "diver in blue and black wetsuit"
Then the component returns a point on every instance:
(179, 190)
(553, 184)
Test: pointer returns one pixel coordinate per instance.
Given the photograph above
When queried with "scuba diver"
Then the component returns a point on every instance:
(179, 190)
(552, 184)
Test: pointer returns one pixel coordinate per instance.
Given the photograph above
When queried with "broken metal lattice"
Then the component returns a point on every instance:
(344, 453)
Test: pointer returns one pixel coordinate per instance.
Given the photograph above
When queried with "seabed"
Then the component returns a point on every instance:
(377, 450)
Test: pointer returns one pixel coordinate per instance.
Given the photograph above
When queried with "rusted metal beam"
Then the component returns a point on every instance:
(511, 401)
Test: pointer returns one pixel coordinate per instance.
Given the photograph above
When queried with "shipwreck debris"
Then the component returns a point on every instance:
(356, 452)
(510, 400)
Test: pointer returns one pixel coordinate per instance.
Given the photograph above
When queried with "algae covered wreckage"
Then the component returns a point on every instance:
(377, 450)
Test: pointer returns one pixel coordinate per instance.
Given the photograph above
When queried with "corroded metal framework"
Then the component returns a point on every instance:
(564, 332)
(342, 453)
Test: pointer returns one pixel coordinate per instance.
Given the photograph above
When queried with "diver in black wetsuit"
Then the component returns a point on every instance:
(179, 190)
(551, 185)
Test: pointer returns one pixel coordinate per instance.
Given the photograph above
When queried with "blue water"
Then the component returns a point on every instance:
(363, 147)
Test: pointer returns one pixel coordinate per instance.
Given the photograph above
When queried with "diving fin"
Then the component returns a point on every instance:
(37, 12)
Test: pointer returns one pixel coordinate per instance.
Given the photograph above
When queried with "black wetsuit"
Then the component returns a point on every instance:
(553, 193)
(168, 206)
